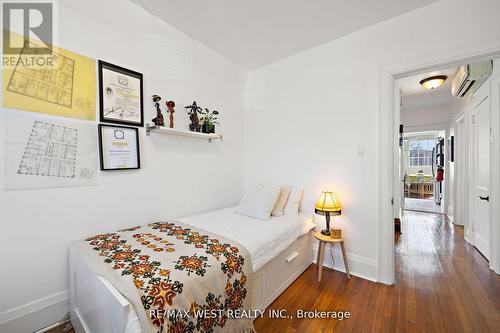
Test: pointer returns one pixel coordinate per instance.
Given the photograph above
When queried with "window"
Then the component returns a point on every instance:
(420, 152)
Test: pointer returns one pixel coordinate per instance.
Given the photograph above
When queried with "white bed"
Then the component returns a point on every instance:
(263, 239)
(280, 250)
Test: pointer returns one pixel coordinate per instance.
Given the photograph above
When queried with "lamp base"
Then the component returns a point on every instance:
(326, 232)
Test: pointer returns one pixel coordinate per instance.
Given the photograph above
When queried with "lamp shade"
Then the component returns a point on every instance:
(327, 204)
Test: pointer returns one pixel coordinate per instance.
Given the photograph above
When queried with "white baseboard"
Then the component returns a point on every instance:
(35, 315)
(365, 268)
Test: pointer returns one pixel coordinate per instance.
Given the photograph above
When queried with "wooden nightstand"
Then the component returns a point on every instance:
(321, 252)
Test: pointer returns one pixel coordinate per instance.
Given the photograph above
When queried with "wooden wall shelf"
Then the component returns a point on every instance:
(172, 131)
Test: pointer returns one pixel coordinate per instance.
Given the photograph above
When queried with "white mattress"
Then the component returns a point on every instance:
(264, 240)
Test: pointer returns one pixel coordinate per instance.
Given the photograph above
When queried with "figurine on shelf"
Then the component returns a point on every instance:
(158, 121)
(194, 109)
(170, 107)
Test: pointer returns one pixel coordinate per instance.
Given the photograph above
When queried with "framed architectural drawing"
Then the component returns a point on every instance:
(120, 94)
(119, 147)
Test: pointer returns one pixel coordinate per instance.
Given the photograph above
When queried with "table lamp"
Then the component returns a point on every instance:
(327, 205)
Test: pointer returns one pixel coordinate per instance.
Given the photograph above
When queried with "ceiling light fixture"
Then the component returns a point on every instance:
(433, 82)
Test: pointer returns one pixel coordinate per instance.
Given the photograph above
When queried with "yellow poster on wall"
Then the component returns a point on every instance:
(61, 84)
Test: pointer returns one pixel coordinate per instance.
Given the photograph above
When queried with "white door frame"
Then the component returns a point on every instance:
(459, 200)
(495, 175)
(388, 187)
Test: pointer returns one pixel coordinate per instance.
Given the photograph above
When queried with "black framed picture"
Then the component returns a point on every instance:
(119, 147)
(120, 95)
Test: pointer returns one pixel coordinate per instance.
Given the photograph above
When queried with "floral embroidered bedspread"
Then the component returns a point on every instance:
(178, 278)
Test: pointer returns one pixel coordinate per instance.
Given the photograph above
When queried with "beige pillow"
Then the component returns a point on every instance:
(258, 200)
(282, 199)
(293, 202)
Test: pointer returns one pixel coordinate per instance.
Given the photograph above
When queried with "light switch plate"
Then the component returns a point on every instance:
(360, 151)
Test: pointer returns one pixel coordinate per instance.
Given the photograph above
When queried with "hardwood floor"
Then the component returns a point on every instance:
(444, 285)
(62, 329)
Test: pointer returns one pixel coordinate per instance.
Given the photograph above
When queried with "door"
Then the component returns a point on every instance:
(481, 130)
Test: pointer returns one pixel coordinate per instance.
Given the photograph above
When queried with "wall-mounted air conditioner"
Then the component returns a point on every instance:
(470, 77)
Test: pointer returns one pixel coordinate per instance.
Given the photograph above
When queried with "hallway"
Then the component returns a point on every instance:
(443, 285)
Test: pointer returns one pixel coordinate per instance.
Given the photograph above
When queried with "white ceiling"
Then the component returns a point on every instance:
(415, 96)
(411, 85)
(259, 32)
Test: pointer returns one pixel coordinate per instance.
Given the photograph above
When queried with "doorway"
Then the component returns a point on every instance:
(427, 157)
(421, 191)
(391, 185)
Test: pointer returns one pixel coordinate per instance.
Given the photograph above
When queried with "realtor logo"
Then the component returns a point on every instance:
(32, 20)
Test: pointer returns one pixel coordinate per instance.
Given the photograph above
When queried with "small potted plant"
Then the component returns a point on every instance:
(209, 120)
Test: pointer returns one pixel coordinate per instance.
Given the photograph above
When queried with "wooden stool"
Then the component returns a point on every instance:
(323, 239)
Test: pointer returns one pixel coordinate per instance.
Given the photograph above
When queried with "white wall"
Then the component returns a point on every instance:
(179, 175)
(422, 119)
(306, 115)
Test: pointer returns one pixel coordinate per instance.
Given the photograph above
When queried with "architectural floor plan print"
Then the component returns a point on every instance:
(51, 151)
(61, 83)
(53, 85)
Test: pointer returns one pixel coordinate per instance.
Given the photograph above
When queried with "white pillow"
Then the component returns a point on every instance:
(282, 199)
(293, 203)
(259, 200)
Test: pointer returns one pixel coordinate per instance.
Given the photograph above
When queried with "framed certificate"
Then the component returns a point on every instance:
(120, 94)
(119, 147)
